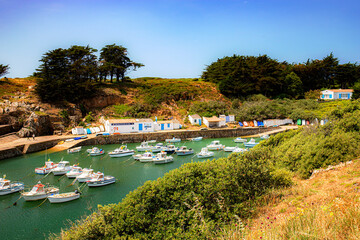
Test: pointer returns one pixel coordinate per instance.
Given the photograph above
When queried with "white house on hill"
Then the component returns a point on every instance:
(214, 122)
(166, 125)
(129, 125)
(195, 119)
(333, 94)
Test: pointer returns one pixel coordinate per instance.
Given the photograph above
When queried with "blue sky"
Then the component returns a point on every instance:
(178, 38)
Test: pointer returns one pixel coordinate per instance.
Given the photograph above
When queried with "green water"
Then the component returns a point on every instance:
(28, 220)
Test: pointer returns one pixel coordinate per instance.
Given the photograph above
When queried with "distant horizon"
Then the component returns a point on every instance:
(178, 39)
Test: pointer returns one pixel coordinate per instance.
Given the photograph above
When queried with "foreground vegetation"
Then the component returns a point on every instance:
(202, 200)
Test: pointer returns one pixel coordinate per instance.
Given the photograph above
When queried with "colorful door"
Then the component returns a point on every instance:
(200, 122)
(227, 119)
(140, 126)
(162, 127)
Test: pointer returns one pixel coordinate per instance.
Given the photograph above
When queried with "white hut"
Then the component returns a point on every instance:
(129, 125)
(195, 119)
(214, 122)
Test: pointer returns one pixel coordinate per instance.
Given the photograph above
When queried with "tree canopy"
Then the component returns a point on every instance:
(4, 69)
(241, 76)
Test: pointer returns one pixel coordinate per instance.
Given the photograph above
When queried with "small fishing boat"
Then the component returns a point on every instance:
(239, 150)
(182, 151)
(86, 175)
(250, 143)
(100, 180)
(215, 145)
(64, 197)
(121, 152)
(96, 151)
(7, 187)
(162, 158)
(74, 172)
(62, 168)
(205, 153)
(39, 191)
(173, 140)
(229, 149)
(48, 167)
(151, 141)
(74, 150)
(69, 140)
(146, 157)
(239, 140)
(196, 139)
(169, 149)
(265, 136)
(144, 146)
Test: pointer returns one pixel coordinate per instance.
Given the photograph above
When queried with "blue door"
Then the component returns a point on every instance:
(200, 122)
(330, 96)
(227, 119)
(140, 127)
(162, 126)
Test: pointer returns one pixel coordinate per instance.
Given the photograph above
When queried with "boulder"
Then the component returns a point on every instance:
(36, 124)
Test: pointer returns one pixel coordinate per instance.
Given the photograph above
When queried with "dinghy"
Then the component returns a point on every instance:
(74, 150)
(64, 197)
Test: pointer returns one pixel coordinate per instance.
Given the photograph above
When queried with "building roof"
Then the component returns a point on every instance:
(214, 119)
(161, 122)
(339, 90)
(144, 120)
(121, 120)
(195, 116)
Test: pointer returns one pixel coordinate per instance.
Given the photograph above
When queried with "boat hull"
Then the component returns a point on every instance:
(121, 154)
(184, 153)
(163, 161)
(38, 196)
(145, 160)
(53, 199)
(101, 183)
(12, 189)
(215, 148)
(250, 145)
(84, 179)
(204, 156)
(73, 175)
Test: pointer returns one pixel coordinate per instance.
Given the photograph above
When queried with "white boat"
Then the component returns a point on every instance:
(74, 172)
(265, 136)
(39, 191)
(251, 143)
(151, 141)
(162, 158)
(74, 150)
(169, 149)
(215, 145)
(205, 153)
(69, 140)
(48, 167)
(146, 157)
(7, 187)
(64, 197)
(173, 140)
(121, 152)
(144, 146)
(196, 139)
(182, 151)
(96, 151)
(100, 180)
(239, 140)
(62, 168)
(86, 175)
(239, 150)
(229, 149)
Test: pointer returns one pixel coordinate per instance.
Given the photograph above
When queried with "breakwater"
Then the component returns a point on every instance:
(31, 147)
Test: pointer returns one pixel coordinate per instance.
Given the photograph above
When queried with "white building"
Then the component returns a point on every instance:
(214, 122)
(78, 131)
(129, 125)
(230, 118)
(166, 125)
(195, 119)
(333, 94)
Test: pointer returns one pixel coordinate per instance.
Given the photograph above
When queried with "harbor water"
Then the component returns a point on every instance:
(40, 219)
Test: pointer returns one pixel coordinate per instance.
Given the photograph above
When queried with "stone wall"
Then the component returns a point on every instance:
(4, 129)
(161, 136)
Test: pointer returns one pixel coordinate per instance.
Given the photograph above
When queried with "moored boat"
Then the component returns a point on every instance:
(239, 150)
(39, 191)
(215, 145)
(265, 136)
(205, 153)
(239, 140)
(62, 168)
(196, 139)
(48, 167)
(74, 150)
(74, 172)
(151, 141)
(146, 157)
(7, 187)
(100, 180)
(251, 143)
(169, 149)
(86, 175)
(182, 151)
(144, 146)
(162, 158)
(96, 151)
(121, 152)
(64, 197)
(229, 149)
(173, 140)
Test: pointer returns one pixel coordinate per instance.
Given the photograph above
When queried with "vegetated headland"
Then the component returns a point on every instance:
(224, 198)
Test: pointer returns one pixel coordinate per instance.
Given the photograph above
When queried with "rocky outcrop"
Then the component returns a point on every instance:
(103, 99)
(36, 124)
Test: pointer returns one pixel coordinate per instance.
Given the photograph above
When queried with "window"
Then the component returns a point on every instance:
(344, 95)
